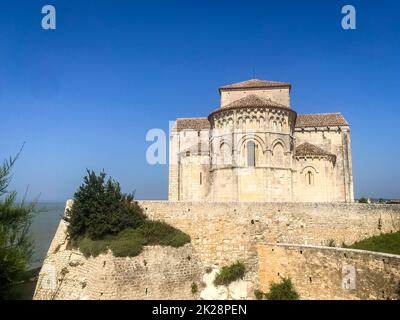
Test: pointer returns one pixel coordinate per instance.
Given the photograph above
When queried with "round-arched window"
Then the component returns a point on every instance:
(251, 154)
(309, 178)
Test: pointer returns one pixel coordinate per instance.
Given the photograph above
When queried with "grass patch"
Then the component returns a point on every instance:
(387, 243)
(160, 233)
(229, 274)
(130, 242)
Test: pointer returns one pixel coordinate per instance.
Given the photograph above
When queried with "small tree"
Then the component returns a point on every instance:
(363, 200)
(16, 246)
(282, 291)
(100, 209)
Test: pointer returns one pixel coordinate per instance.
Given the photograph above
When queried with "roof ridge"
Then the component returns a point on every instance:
(255, 83)
(306, 114)
(191, 118)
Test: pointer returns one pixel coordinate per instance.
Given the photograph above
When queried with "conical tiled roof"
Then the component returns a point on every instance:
(251, 101)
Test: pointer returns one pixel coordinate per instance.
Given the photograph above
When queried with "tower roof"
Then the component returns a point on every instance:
(252, 100)
(256, 84)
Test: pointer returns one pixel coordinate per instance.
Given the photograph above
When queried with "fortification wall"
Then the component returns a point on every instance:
(317, 272)
(223, 232)
(157, 273)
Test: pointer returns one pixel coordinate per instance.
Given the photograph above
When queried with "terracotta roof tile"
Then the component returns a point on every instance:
(192, 123)
(308, 149)
(251, 101)
(255, 83)
(320, 120)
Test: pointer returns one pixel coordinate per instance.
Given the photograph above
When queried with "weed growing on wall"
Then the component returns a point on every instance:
(230, 273)
(284, 290)
(331, 243)
(259, 295)
(194, 288)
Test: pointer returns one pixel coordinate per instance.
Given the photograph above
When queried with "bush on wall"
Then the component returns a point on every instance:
(283, 290)
(363, 200)
(103, 218)
(230, 273)
(100, 209)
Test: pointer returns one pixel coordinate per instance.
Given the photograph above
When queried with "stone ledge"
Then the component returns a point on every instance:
(338, 249)
(305, 204)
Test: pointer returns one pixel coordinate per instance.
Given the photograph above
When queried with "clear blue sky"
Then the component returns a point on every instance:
(84, 95)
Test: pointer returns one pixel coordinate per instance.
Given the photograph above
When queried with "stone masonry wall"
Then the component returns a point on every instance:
(317, 272)
(223, 232)
(157, 273)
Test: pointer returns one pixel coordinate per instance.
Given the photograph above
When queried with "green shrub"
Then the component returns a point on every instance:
(380, 224)
(259, 295)
(194, 288)
(130, 248)
(102, 219)
(229, 274)
(282, 291)
(160, 233)
(127, 243)
(90, 247)
(130, 242)
(100, 209)
(363, 200)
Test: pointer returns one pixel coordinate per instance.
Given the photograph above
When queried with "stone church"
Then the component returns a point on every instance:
(255, 147)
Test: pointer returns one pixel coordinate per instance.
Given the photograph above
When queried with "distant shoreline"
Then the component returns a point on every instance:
(42, 230)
